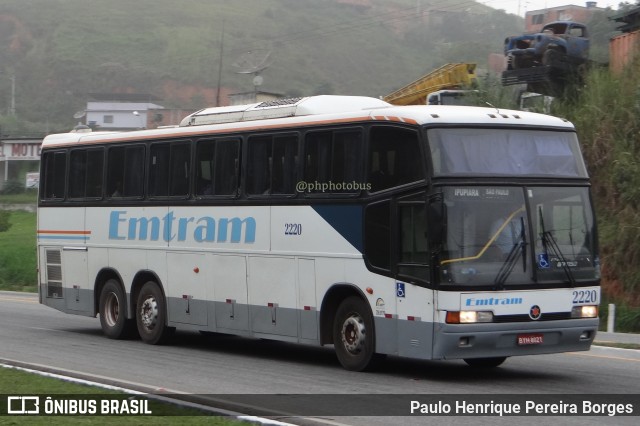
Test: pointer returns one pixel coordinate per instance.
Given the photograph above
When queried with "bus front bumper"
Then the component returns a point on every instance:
(456, 341)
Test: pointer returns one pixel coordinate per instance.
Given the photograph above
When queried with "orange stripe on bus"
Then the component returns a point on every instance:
(159, 135)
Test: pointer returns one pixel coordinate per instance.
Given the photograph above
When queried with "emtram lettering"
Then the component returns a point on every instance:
(491, 301)
(202, 229)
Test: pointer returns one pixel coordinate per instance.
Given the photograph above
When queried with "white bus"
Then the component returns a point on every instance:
(431, 232)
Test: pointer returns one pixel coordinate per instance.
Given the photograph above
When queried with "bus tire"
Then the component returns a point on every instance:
(485, 362)
(113, 311)
(151, 315)
(354, 336)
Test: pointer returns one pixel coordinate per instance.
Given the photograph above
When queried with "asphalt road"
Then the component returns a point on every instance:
(223, 365)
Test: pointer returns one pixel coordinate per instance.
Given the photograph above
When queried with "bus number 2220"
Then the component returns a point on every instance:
(292, 229)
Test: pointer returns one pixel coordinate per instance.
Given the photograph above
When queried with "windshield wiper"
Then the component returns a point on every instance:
(512, 257)
(549, 241)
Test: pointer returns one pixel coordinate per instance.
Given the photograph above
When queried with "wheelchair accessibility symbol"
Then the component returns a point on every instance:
(543, 261)
(399, 289)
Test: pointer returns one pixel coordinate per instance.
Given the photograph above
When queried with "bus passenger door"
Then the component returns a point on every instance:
(229, 276)
(186, 288)
(414, 301)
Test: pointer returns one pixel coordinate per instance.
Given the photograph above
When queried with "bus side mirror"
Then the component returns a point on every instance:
(436, 215)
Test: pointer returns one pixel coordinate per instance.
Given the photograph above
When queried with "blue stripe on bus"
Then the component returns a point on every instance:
(346, 219)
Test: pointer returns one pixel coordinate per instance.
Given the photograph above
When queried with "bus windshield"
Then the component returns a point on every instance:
(509, 236)
(502, 152)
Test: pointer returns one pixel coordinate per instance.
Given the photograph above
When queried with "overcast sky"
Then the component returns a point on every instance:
(519, 7)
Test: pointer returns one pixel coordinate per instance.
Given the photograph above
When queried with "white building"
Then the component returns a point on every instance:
(121, 111)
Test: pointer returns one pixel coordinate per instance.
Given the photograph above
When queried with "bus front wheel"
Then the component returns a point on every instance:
(113, 315)
(151, 315)
(354, 337)
(485, 362)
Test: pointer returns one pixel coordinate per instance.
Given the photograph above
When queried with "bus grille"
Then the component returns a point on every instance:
(54, 273)
(551, 316)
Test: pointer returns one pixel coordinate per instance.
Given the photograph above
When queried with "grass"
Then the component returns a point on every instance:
(18, 253)
(15, 382)
(28, 197)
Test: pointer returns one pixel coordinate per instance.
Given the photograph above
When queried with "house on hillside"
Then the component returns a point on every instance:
(129, 111)
(120, 111)
(245, 98)
(535, 19)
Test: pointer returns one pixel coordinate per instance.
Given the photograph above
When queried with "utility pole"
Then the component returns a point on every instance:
(220, 66)
(12, 104)
(12, 110)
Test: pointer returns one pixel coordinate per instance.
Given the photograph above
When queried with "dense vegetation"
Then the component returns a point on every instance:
(607, 115)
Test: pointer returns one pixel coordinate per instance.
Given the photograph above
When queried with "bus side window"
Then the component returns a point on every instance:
(85, 173)
(284, 164)
(394, 158)
(77, 173)
(95, 164)
(377, 248)
(333, 158)
(169, 169)
(217, 167)
(180, 169)
(259, 165)
(225, 170)
(55, 164)
(125, 171)
(271, 165)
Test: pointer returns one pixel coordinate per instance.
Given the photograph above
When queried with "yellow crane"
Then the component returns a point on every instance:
(449, 76)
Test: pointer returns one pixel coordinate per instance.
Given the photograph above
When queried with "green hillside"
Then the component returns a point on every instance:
(60, 50)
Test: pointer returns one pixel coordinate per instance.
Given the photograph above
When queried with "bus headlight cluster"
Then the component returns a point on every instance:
(587, 311)
(468, 317)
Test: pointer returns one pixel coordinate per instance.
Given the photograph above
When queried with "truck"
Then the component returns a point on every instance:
(444, 85)
(547, 60)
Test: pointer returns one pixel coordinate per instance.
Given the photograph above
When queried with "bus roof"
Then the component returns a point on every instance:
(315, 110)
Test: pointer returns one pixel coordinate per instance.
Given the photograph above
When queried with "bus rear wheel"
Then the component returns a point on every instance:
(485, 362)
(354, 337)
(113, 312)
(151, 315)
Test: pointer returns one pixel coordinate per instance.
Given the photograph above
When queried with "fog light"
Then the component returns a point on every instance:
(586, 311)
(585, 335)
(464, 342)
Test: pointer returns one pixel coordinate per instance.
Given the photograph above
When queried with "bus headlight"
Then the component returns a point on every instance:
(586, 311)
(468, 317)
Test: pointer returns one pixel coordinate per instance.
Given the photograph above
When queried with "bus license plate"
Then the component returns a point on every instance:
(530, 339)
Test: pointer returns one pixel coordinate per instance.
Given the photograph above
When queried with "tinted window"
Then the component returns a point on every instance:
(55, 164)
(85, 173)
(271, 164)
(394, 158)
(333, 158)
(217, 167)
(125, 171)
(169, 169)
(378, 235)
